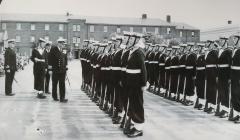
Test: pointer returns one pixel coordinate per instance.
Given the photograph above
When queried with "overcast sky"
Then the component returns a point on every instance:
(199, 13)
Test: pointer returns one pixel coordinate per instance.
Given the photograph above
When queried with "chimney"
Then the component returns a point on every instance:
(168, 18)
(229, 22)
(144, 16)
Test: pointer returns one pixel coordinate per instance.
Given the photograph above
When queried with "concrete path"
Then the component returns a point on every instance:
(24, 117)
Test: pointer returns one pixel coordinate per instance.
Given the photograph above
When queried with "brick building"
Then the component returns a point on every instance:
(27, 28)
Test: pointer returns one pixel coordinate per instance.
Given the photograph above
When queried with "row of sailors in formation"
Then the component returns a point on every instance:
(114, 75)
(207, 73)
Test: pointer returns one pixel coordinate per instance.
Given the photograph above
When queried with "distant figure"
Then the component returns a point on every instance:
(10, 66)
(38, 59)
(58, 69)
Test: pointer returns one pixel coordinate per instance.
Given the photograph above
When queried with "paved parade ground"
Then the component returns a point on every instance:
(24, 117)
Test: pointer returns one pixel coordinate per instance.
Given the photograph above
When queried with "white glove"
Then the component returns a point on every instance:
(50, 72)
(8, 71)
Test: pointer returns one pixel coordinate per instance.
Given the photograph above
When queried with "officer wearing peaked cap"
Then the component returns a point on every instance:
(10, 66)
(48, 67)
(58, 62)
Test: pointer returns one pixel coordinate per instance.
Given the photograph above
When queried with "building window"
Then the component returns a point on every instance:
(168, 31)
(47, 27)
(118, 30)
(4, 26)
(193, 34)
(105, 29)
(144, 29)
(32, 26)
(74, 28)
(46, 38)
(18, 38)
(131, 29)
(91, 28)
(74, 40)
(78, 40)
(19, 26)
(78, 28)
(32, 39)
(60, 27)
(156, 30)
(181, 34)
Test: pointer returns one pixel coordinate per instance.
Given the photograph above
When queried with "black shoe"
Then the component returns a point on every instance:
(210, 110)
(41, 96)
(117, 120)
(135, 133)
(234, 118)
(223, 114)
(55, 99)
(64, 100)
(200, 107)
(10, 94)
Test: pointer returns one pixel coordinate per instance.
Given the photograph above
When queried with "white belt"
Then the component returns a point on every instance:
(153, 62)
(223, 65)
(92, 65)
(211, 66)
(200, 68)
(107, 68)
(88, 60)
(174, 67)
(133, 71)
(146, 61)
(103, 68)
(97, 65)
(161, 64)
(116, 68)
(182, 66)
(167, 68)
(235, 67)
(123, 69)
(189, 67)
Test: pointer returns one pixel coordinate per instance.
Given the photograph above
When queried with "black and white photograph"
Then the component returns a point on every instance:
(119, 69)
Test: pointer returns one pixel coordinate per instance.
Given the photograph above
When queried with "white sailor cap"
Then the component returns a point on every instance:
(183, 45)
(175, 47)
(113, 39)
(109, 42)
(190, 43)
(163, 45)
(139, 35)
(42, 40)
(11, 40)
(169, 49)
(103, 44)
(201, 44)
(96, 44)
(126, 33)
(119, 37)
(61, 40)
